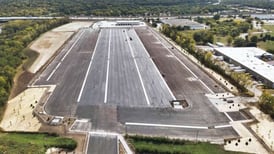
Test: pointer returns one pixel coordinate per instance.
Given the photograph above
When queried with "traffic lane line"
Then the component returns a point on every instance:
(211, 91)
(89, 66)
(164, 125)
(55, 69)
(138, 70)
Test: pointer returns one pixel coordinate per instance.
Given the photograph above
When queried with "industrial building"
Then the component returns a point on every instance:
(250, 59)
(184, 23)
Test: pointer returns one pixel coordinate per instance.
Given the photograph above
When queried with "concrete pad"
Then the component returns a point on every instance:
(245, 145)
(264, 128)
(18, 115)
(72, 27)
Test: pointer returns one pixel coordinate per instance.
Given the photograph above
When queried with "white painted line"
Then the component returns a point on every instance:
(103, 133)
(108, 61)
(91, 60)
(87, 143)
(164, 125)
(228, 117)
(212, 92)
(182, 62)
(55, 69)
(72, 46)
(124, 143)
(117, 146)
(170, 92)
(222, 126)
(138, 71)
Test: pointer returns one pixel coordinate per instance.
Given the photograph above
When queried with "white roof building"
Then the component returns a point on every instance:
(184, 22)
(249, 58)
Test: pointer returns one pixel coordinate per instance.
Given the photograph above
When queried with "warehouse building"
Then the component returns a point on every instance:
(250, 59)
(184, 23)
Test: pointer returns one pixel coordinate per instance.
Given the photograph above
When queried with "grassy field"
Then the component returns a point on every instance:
(269, 28)
(167, 146)
(32, 143)
(268, 45)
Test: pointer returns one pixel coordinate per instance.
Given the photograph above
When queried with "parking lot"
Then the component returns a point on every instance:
(117, 76)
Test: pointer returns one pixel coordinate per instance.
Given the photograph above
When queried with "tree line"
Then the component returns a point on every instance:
(240, 80)
(266, 103)
(266, 4)
(106, 7)
(15, 36)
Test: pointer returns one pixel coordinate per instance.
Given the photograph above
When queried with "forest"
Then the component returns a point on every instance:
(266, 4)
(106, 7)
(15, 36)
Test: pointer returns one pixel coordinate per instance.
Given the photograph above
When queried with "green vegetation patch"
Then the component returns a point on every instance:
(33, 143)
(266, 103)
(269, 28)
(106, 7)
(268, 46)
(15, 37)
(162, 145)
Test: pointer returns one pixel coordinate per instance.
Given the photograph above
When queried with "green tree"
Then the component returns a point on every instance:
(254, 39)
(229, 40)
(216, 17)
(203, 37)
(239, 42)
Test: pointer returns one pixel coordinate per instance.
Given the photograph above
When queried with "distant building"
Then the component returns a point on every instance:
(128, 23)
(249, 59)
(184, 23)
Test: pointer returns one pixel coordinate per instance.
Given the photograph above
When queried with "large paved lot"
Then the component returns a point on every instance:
(116, 77)
(121, 73)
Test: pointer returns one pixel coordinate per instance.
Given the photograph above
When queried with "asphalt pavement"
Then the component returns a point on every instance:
(102, 144)
(121, 73)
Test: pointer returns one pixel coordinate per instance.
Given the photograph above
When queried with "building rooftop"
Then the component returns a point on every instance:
(182, 22)
(249, 57)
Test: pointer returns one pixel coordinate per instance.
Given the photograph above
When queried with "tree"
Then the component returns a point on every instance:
(203, 37)
(254, 39)
(229, 40)
(216, 17)
(239, 42)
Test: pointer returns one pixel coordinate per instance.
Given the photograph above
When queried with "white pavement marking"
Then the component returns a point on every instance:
(223, 126)
(172, 95)
(138, 71)
(108, 61)
(55, 69)
(87, 143)
(182, 63)
(91, 60)
(72, 46)
(164, 125)
(124, 143)
(228, 117)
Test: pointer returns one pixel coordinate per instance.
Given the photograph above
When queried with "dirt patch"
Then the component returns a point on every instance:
(46, 46)
(19, 112)
(20, 83)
